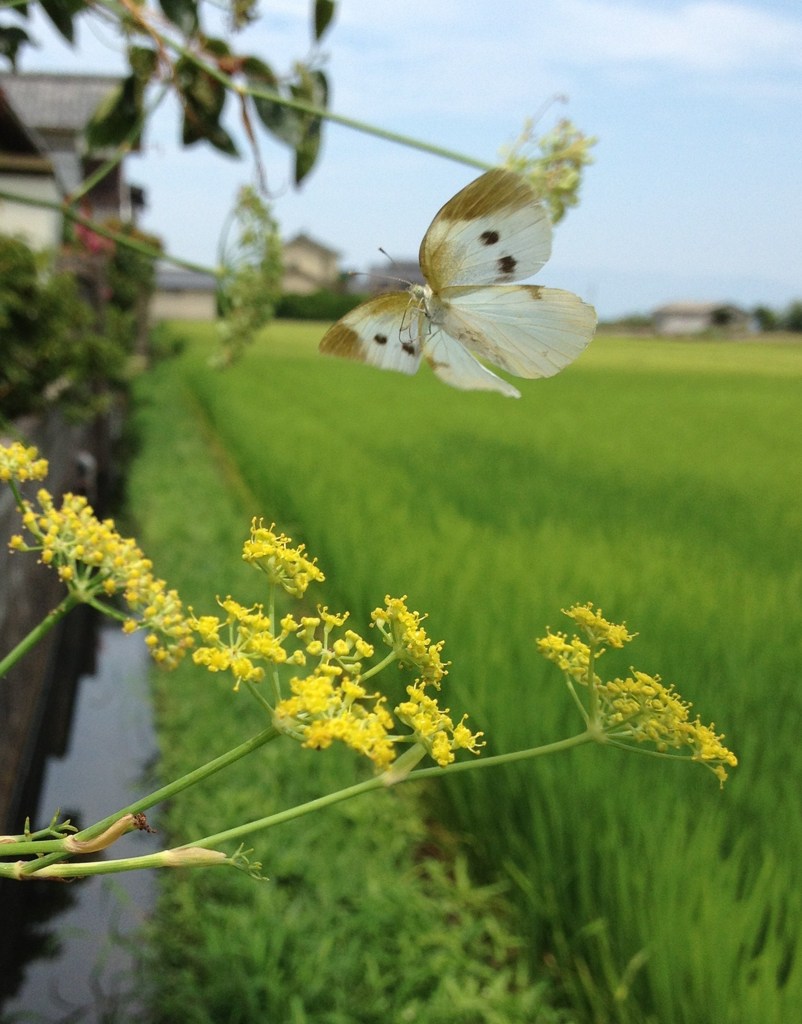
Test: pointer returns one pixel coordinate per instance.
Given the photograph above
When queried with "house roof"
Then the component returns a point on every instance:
(53, 102)
(310, 243)
(16, 137)
(178, 279)
(54, 110)
(394, 275)
(20, 148)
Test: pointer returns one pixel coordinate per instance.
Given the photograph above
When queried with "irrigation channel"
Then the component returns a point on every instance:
(75, 955)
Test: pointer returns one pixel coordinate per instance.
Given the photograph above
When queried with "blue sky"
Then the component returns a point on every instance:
(696, 188)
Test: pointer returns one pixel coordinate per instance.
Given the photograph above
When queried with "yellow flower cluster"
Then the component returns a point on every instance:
(402, 631)
(20, 463)
(639, 708)
(433, 728)
(329, 705)
(283, 565)
(596, 628)
(648, 711)
(571, 656)
(330, 700)
(244, 638)
(95, 562)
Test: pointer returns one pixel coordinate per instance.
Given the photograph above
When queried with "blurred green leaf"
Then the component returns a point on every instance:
(198, 127)
(143, 62)
(243, 12)
(216, 47)
(306, 153)
(182, 13)
(116, 115)
(314, 89)
(259, 73)
(61, 13)
(299, 130)
(324, 12)
(282, 121)
(203, 99)
(12, 37)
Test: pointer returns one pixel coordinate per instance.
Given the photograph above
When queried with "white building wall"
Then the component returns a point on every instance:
(40, 228)
(183, 306)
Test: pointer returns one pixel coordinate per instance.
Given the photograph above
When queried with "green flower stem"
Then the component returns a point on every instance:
(275, 677)
(182, 857)
(99, 229)
(38, 632)
(382, 781)
(593, 697)
(55, 848)
(305, 108)
(374, 669)
(201, 853)
(355, 125)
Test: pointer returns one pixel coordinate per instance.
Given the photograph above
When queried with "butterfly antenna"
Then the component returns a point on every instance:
(377, 278)
(382, 278)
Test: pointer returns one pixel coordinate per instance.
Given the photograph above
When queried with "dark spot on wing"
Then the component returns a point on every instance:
(506, 264)
(380, 339)
(409, 348)
(489, 237)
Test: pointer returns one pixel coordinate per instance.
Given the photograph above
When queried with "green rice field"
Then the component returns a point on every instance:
(660, 480)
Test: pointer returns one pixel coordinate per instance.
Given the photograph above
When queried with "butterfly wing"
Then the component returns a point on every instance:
(493, 231)
(455, 365)
(525, 330)
(382, 332)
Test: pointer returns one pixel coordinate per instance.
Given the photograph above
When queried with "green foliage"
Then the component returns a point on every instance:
(182, 13)
(204, 70)
(53, 351)
(767, 319)
(249, 284)
(792, 320)
(62, 14)
(324, 12)
(131, 274)
(12, 37)
(320, 305)
(788, 319)
(650, 894)
(639, 322)
(120, 116)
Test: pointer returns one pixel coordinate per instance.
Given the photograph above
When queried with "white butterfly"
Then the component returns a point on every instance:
(492, 232)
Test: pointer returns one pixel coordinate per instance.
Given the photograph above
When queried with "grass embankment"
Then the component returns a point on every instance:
(660, 480)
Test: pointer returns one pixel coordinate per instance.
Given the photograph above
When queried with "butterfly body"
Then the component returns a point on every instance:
(492, 233)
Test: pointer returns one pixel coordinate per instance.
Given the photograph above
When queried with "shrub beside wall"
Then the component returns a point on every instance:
(320, 305)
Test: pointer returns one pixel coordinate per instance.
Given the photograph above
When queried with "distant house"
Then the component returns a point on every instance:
(183, 295)
(309, 266)
(43, 154)
(697, 317)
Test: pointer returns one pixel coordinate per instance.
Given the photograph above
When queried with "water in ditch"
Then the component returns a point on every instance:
(77, 941)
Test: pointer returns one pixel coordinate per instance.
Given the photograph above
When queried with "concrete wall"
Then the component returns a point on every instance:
(36, 696)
